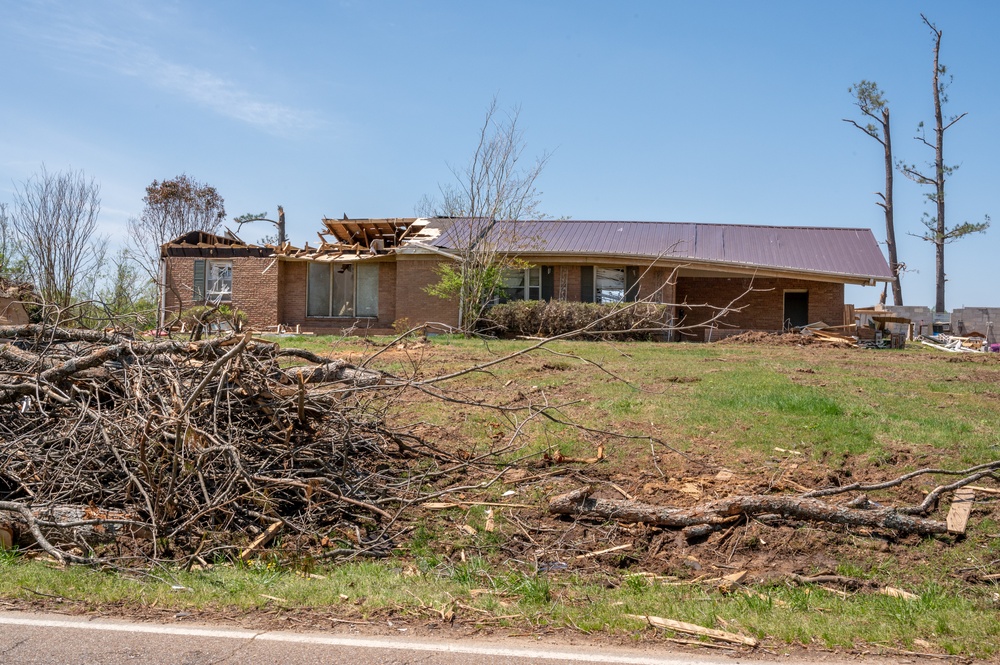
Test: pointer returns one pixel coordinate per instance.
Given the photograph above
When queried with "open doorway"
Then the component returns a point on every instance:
(796, 309)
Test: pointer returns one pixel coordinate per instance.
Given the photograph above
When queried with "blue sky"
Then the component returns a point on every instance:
(665, 111)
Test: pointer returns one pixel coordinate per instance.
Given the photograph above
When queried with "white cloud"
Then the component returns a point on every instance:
(91, 40)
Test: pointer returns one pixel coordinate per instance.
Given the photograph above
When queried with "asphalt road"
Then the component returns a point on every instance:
(40, 638)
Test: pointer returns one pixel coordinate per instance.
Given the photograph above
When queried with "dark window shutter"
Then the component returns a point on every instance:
(631, 283)
(199, 280)
(587, 284)
(548, 282)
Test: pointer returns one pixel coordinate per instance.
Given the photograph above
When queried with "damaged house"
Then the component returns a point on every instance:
(366, 274)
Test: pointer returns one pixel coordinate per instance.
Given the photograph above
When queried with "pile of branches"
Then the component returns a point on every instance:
(119, 449)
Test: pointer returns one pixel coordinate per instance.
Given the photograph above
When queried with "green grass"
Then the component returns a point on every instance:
(878, 412)
(779, 615)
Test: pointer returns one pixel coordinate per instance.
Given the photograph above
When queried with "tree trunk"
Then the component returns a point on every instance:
(722, 511)
(890, 228)
(939, 173)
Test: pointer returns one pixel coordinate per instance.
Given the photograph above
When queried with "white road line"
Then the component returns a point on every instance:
(369, 643)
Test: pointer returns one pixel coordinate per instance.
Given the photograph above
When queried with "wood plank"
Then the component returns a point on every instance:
(961, 507)
(262, 540)
(694, 629)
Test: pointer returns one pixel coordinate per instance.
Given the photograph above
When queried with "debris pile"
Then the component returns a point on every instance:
(973, 343)
(120, 449)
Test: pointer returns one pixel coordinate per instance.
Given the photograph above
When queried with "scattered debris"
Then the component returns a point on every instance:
(956, 344)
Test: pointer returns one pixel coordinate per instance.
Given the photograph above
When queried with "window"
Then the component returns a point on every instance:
(219, 281)
(523, 284)
(609, 285)
(213, 281)
(342, 289)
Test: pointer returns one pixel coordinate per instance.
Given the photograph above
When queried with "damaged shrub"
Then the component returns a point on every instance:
(531, 318)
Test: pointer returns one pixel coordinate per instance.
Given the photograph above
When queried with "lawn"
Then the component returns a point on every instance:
(668, 419)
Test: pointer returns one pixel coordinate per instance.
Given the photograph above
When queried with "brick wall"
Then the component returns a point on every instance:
(294, 278)
(413, 274)
(255, 287)
(653, 284)
(255, 290)
(762, 308)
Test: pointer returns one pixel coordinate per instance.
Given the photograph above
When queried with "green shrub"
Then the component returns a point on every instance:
(546, 319)
(214, 318)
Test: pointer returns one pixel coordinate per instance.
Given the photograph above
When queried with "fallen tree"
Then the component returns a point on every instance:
(701, 519)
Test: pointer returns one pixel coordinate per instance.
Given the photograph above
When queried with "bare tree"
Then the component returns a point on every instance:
(938, 232)
(873, 105)
(8, 248)
(173, 208)
(493, 191)
(55, 222)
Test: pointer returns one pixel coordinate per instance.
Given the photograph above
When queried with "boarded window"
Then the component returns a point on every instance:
(609, 285)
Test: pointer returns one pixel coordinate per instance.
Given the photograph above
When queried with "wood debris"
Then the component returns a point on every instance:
(162, 446)
(961, 508)
(721, 511)
(694, 629)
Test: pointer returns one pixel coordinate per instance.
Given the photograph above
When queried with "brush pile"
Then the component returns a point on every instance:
(118, 449)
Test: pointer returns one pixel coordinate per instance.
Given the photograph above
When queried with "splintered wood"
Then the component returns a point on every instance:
(694, 629)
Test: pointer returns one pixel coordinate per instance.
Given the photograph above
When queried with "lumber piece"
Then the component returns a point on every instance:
(898, 593)
(694, 629)
(260, 541)
(961, 508)
(579, 502)
(984, 490)
(609, 550)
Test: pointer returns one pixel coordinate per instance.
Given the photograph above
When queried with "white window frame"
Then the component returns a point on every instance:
(530, 284)
(218, 273)
(334, 268)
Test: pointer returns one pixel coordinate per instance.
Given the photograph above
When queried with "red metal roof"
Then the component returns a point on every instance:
(849, 252)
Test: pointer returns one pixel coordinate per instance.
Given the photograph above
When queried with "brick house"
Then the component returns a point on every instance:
(366, 274)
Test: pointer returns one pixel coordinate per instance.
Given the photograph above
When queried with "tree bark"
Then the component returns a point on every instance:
(939, 173)
(578, 502)
(890, 228)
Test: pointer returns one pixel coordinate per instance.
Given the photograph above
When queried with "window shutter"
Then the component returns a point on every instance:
(631, 283)
(548, 282)
(199, 280)
(587, 284)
